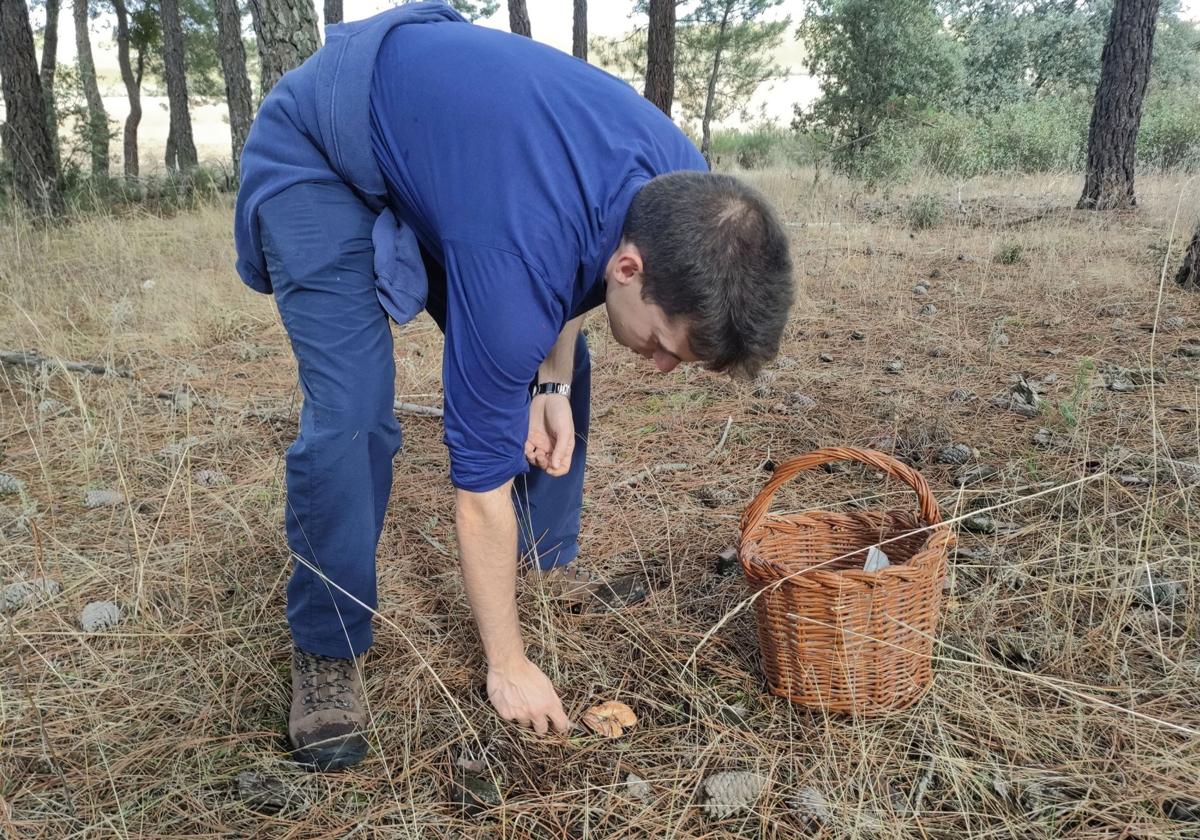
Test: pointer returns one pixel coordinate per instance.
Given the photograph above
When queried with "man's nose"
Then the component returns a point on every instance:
(664, 361)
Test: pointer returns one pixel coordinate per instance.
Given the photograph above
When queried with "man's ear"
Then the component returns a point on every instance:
(629, 263)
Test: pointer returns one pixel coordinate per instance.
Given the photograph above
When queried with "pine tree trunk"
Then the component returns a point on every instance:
(133, 89)
(1189, 272)
(97, 117)
(711, 96)
(660, 55)
(333, 12)
(1117, 112)
(175, 69)
(287, 35)
(49, 66)
(24, 134)
(518, 18)
(233, 66)
(579, 30)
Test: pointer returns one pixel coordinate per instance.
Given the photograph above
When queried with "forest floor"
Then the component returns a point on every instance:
(1064, 699)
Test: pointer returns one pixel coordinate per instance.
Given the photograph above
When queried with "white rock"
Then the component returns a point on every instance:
(147, 285)
(637, 787)
(99, 615)
(17, 595)
(10, 484)
(876, 560)
(210, 478)
(102, 498)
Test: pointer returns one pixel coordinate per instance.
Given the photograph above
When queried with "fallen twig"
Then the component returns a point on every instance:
(658, 469)
(32, 359)
(721, 443)
(414, 408)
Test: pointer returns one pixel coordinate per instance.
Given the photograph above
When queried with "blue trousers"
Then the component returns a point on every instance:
(317, 242)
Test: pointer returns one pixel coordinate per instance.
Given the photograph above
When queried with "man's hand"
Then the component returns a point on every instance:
(523, 694)
(551, 439)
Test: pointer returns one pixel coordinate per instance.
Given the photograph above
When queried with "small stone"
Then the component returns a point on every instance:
(1182, 810)
(10, 484)
(147, 285)
(980, 524)
(1043, 437)
(1112, 310)
(958, 453)
(1156, 591)
(727, 561)
(825, 357)
(99, 615)
(210, 478)
(265, 794)
(1133, 480)
(894, 366)
(1002, 339)
(732, 791)
(176, 449)
(960, 395)
(102, 498)
(24, 592)
(974, 475)
(1050, 378)
(638, 788)
(858, 335)
(920, 290)
(811, 806)
(928, 310)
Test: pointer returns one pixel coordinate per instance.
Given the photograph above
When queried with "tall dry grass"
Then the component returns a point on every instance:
(1063, 706)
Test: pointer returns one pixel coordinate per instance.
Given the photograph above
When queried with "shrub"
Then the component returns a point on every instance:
(1169, 135)
(924, 212)
(1009, 253)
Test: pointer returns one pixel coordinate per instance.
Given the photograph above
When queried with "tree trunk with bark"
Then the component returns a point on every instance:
(1117, 112)
(713, 76)
(518, 18)
(333, 12)
(97, 128)
(181, 151)
(25, 135)
(233, 66)
(579, 30)
(660, 55)
(1189, 272)
(287, 35)
(133, 88)
(49, 66)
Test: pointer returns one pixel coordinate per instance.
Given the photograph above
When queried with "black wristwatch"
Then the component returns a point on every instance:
(551, 388)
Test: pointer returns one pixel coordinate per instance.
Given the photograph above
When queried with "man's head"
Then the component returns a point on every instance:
(702, 274)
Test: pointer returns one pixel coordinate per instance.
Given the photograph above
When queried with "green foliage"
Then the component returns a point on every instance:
(1009, 253)
(90, 196)
(762, 146)
(475, 9)
(924, 212)
(745, 47)
(1169, 136)
(878, 61)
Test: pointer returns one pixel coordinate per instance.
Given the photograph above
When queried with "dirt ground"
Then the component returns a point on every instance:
(1064, 698)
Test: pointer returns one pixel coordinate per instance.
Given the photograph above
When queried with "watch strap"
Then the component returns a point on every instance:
(551, 388)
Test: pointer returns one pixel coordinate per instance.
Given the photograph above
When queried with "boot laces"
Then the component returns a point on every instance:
(327, 682)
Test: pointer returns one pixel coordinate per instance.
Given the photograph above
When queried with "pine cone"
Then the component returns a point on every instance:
(732, 791)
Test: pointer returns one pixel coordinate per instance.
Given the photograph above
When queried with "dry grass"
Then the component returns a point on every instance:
(1062, 707)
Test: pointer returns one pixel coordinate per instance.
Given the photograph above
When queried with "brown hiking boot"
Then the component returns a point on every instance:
(327, 721)
(576, 587)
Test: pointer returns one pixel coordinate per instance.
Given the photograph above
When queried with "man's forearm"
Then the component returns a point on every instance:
(487, 548)
(560, 364)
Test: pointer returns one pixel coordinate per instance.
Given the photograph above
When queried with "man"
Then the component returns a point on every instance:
(420, 162)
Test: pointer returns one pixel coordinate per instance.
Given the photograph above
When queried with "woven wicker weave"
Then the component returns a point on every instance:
(833, 636)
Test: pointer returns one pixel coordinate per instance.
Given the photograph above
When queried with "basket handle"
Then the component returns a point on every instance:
(930, 513)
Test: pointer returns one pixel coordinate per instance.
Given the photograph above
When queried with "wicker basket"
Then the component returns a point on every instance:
(833, 636)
